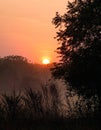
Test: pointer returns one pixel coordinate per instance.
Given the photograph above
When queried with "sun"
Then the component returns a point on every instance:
(45, 61)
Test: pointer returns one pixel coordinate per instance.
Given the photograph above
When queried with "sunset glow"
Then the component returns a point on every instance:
(26, 28)
(45, 61)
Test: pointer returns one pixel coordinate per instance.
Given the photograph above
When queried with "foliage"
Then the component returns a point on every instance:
(79, 36)
(33, 103)
(19, 73)
(55, 99)
(27, 111)
(11, 105)
(11, 111)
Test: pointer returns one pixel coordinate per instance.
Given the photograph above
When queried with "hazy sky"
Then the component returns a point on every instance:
(26, 28)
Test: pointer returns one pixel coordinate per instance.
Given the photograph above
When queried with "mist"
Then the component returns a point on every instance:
(17, 74)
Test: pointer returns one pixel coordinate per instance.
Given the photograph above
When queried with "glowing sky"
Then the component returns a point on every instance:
(26, 28)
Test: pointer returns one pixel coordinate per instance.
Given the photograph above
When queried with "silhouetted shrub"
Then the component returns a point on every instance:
(33, 103)
(11, 105)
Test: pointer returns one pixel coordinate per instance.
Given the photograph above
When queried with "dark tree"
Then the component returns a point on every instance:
(79, 36)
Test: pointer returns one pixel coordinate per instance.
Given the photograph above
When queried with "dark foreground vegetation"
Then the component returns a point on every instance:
(52, 125)
(54, 106)
(32, 110)
(74, 107)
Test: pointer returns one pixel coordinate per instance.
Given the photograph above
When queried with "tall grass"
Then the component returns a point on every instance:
(11, 105)
(42, 110)
(33, 103)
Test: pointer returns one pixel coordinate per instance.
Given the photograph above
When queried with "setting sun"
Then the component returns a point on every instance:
(45, 61)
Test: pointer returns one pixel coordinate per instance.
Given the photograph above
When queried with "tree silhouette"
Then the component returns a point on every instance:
(79, 36)
(18, 72)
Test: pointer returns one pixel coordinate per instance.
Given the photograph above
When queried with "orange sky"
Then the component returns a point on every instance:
(26, 28)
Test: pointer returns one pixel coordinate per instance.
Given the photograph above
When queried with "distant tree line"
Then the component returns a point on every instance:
(20, 73)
